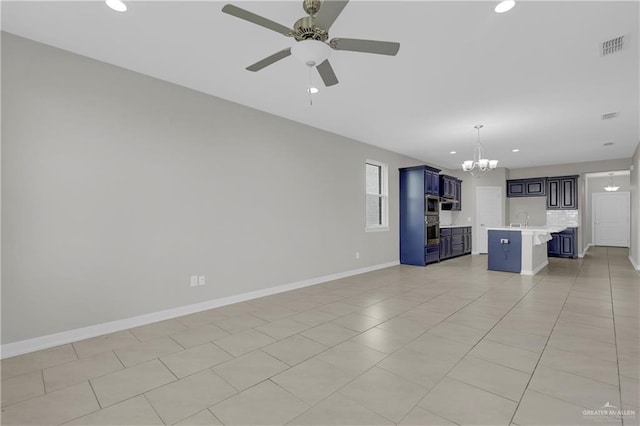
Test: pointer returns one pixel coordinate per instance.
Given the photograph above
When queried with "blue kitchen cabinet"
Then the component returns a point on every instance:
(553, 245)
(431, 181)
(533, 187)
(451, 193)
(455, 241)
(415, 183)
(467, 240)
(562, 193)
(563, 244)
(445, 243)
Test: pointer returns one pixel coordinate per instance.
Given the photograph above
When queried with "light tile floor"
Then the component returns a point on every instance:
(452, 343)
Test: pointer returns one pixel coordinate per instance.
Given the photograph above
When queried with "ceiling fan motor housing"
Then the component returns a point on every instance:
(305, 29)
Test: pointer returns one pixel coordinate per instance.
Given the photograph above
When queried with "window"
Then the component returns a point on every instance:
(376, 196)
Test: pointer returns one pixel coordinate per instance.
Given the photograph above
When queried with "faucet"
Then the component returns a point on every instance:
(518, 214)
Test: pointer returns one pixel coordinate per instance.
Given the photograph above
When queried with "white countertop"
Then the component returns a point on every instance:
(539, 234)
(454, 226)
(550, 229)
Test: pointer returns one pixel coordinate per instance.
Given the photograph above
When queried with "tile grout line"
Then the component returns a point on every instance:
(118, 358)
(94, 394)
(144, 395)
(615, 338)
(545, 345)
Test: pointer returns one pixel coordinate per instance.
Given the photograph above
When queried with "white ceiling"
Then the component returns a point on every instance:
(532, 76)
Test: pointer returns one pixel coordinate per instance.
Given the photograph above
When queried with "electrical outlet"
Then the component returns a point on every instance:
(357, 255)
(194, 280)
(201, 280)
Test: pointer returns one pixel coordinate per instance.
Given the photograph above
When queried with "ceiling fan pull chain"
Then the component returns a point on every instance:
(310, 86)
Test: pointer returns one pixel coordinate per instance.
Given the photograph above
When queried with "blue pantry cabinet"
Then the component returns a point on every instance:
(415, 183)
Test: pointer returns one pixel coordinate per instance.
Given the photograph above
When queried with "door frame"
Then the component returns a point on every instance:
(477, 218)
(601, 195)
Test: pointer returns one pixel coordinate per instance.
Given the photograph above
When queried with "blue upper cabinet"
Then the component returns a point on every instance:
(534, 187)
(431, 181)
(451, 190)
(562, 193)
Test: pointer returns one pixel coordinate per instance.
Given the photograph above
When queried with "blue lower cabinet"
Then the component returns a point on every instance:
(431, 255)
(505, 251)
(455, 241)
(563, 244)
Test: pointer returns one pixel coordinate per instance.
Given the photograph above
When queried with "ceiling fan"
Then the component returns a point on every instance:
(311, 34)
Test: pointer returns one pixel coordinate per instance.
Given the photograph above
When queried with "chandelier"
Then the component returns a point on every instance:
(611, 187)
(479, 165)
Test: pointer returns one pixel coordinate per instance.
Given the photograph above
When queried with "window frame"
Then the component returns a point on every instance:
(383, 196)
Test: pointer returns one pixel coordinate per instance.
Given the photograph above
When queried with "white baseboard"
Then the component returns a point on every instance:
(535, 271)
(43, 342)
(635, 265)
(586, 249)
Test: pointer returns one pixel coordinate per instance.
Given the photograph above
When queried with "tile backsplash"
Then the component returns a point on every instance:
(445, 218)
(569, 218)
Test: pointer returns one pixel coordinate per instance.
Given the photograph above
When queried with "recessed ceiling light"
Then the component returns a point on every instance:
(452, 152)
(116, 5)
(515, 150)
(505, 6)
(312, 90)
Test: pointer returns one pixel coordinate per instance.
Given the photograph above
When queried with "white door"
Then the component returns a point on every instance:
(488, 214)
(610, 213)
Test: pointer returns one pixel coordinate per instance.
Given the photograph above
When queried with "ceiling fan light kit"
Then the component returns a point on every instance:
(311, 52)
(311, 34)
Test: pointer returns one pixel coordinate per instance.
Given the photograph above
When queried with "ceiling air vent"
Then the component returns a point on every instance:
(609, 115)
(612, 46)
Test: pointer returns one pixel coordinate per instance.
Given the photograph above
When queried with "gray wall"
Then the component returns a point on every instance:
(116, 187)
(634, 250)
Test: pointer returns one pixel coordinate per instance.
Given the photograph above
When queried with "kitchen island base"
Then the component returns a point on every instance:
(522, 250)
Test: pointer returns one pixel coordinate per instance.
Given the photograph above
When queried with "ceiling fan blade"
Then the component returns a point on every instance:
(256, 19)
(269, 60)
(326, 73)
(366, 46)
(328, 13)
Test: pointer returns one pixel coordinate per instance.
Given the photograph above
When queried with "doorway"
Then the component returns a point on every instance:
(610, 219)
(488, 213)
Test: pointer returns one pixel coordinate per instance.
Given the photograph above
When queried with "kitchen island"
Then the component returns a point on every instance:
(519, 249)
